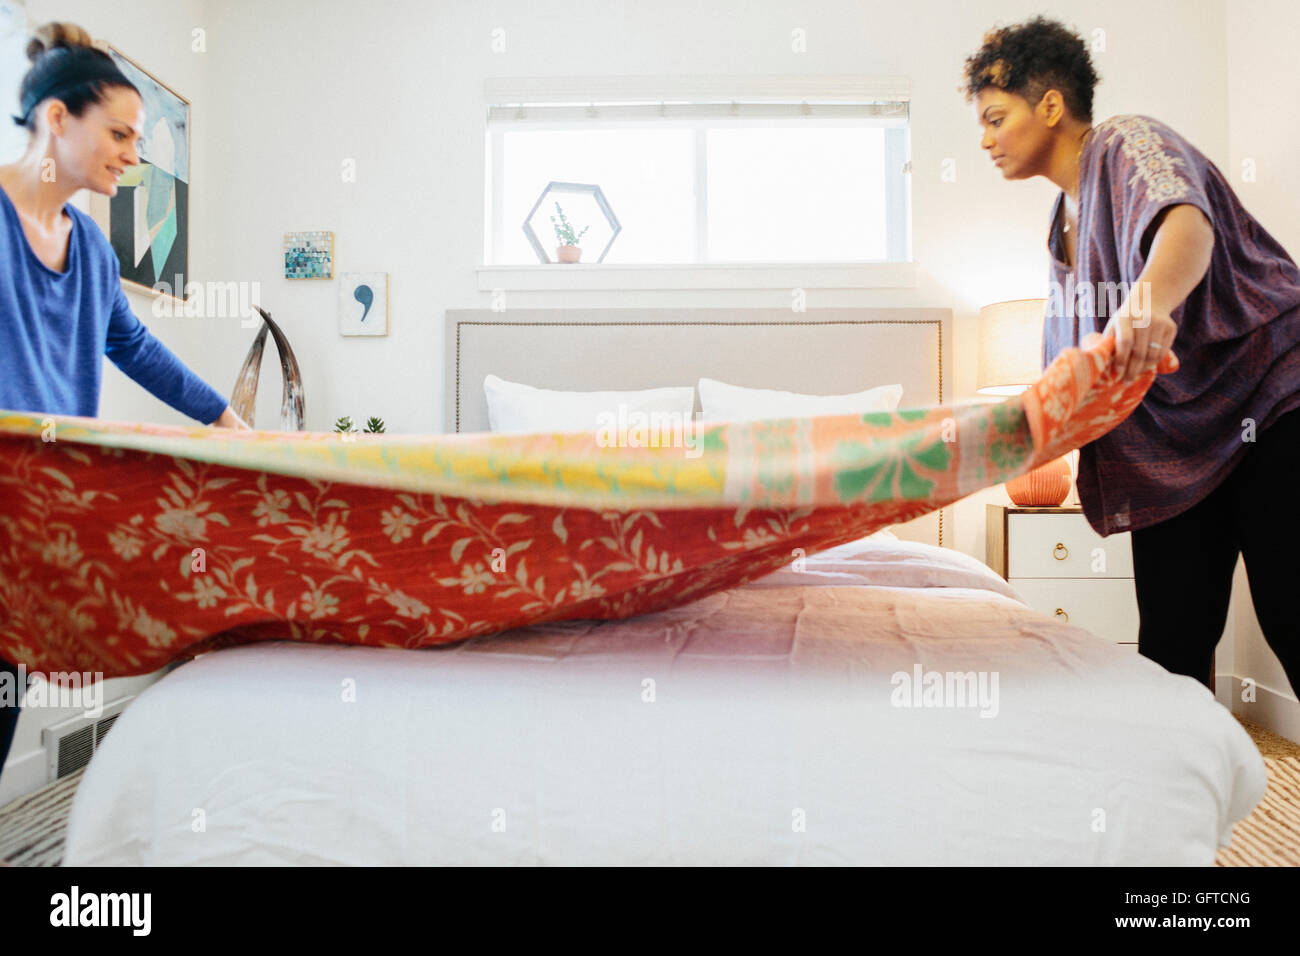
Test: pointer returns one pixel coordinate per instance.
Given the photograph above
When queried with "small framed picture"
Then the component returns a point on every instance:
(309, 255)
(363, 303)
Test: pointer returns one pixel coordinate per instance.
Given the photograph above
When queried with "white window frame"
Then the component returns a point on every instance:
(608, 94)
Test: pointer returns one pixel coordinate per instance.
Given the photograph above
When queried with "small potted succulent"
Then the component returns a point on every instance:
(374, 426)
(568, 250)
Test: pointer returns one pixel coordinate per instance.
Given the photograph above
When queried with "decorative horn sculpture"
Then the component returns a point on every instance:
(292, 403)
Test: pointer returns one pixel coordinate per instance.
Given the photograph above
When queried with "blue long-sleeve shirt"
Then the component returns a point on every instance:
(55, 328)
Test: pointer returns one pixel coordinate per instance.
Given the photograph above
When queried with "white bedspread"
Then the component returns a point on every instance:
(757, 726)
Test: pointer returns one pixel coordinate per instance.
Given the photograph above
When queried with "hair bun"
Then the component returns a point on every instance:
(53, 35)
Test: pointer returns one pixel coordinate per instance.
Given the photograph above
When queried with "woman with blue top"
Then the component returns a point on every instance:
(61, 302)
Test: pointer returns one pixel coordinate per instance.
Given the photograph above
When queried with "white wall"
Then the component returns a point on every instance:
(1264, 74)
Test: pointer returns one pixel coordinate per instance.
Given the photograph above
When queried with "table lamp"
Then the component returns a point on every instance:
(1010, 359)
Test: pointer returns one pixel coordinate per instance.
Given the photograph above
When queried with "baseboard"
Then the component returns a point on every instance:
(22, 775)
(25, 769)
(1225, 689)
(1271, 709)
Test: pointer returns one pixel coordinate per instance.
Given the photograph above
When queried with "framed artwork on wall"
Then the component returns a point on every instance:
(309, 255)
(13, 64)
(148, 221)
(363, 303)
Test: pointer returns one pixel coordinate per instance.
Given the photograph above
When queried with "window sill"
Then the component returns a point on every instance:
(766, 275)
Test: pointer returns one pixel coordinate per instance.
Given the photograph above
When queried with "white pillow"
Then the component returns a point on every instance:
(851, 548)
(884, 534)
(513, 407)
(898, 564)
(734, 403)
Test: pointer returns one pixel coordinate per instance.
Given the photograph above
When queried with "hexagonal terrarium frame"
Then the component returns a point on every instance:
(589, 188)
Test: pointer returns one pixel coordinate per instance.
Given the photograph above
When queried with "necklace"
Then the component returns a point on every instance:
(1077, 158)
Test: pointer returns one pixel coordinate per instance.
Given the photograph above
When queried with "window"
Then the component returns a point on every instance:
(696, 177)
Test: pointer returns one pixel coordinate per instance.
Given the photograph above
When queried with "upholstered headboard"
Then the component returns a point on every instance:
(819, 351)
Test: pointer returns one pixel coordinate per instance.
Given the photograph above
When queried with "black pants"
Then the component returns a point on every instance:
(1183, 567)
(8, 714)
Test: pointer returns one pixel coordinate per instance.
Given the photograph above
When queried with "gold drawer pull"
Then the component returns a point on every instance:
(1060, 612)
(1060, 552)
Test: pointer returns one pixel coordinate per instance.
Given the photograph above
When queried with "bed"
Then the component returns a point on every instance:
(890, 701)
(778, 723)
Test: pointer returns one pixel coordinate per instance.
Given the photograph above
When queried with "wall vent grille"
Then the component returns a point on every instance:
(69, 745)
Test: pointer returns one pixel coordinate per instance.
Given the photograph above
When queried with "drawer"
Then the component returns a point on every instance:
(1062, 546)
(1105, 606)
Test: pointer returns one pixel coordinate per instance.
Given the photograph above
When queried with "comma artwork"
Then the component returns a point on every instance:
(309, 255)
(363, 303)
(148, 220)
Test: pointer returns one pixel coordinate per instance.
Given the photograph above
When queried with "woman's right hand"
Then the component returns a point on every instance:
(1141, 339)
(229, 419)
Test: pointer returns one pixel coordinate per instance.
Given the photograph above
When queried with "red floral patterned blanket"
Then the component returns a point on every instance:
(125, 546)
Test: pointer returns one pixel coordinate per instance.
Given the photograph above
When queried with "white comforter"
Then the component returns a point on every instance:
(763, 725)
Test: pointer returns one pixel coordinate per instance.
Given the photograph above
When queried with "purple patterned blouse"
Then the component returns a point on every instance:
(1238, 338)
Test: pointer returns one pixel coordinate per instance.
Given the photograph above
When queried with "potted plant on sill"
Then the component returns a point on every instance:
(568, 250)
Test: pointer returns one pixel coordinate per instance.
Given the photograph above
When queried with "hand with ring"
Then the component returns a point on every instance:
(1141, 339)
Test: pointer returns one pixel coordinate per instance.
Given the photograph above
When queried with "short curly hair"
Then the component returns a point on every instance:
(1031, 58)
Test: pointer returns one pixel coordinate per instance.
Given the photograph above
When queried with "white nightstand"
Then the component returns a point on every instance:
(1054, 559)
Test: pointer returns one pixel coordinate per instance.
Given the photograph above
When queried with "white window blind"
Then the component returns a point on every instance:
(550, 114)
(711, 170)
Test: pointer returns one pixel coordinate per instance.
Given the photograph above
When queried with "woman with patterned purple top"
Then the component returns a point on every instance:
(1149, 243)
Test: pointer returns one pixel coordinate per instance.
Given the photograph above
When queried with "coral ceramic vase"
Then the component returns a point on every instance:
(1044, 487)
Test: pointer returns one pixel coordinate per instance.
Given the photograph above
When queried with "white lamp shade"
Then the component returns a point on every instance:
(1011, 346)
